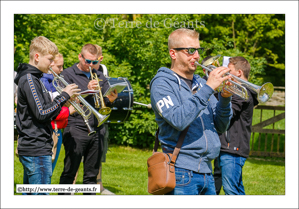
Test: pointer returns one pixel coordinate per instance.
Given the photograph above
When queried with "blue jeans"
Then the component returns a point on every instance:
(192, 183)
(231, 169)
(37, 170)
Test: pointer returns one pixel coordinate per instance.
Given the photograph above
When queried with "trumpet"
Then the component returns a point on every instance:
(264, 92)
(85, 114)
(104, 110)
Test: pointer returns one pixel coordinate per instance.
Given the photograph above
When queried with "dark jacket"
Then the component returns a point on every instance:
(35, 111)
(239, 131)
(75, 75)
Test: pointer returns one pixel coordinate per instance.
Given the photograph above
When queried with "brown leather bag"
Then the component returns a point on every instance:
(161, 170)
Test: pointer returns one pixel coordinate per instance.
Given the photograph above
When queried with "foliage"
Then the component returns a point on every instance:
(135, 46)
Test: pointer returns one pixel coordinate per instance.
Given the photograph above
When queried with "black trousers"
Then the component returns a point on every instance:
(78, 144)
(217, 175)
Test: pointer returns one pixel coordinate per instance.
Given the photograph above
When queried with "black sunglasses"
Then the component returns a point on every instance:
(94, 62)
(192, 50)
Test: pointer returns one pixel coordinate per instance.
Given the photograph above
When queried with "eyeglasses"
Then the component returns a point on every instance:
(94, 62)
(192, 50)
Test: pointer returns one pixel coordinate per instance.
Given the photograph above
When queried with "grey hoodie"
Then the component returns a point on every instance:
(176, 108)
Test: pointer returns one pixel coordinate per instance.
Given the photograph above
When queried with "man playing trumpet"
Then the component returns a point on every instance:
(181, 99)
(76, 141)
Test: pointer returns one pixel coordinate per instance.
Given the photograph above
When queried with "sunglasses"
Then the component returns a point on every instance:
(192, 50)
(94, 62)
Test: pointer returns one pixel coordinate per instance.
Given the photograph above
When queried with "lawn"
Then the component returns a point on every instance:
(125, 173)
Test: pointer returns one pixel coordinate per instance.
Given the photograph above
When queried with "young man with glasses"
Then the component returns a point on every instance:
(76, 141)
(181, 99)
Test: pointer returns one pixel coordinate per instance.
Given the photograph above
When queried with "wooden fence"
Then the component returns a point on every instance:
(259, 129)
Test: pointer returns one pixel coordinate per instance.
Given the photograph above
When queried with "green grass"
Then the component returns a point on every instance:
(125, 173)
(263, 177)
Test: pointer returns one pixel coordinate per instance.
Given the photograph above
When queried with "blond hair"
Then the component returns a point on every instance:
(89, 48)
(43, 46)
(58, 56)
(99, 49)
(174, 38)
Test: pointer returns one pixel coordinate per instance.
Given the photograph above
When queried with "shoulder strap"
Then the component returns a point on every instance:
(105, 71)
(178, 145)
(156, 141)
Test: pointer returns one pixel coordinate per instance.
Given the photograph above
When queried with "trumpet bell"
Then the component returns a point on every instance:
(265, 92)
(211, 60)
(101, 118)
(105, 110)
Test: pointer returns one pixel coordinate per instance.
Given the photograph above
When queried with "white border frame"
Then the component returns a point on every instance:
(290, 8)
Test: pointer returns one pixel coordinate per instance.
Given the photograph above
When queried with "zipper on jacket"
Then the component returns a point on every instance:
(202, 128)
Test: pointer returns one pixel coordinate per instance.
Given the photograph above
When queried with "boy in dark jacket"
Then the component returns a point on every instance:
(235, 141)
(35, 111)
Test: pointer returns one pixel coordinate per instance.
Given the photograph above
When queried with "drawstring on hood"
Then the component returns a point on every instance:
(178, 80)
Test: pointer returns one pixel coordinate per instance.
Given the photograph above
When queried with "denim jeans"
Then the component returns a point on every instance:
(37, 170)
(192, 183)
(231, 169)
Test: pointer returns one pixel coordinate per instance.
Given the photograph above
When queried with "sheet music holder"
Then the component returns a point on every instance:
(225, 61)
(118, 86)
(88, 91)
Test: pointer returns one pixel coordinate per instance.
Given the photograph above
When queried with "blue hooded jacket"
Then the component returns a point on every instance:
(176, 107)
(47, 81)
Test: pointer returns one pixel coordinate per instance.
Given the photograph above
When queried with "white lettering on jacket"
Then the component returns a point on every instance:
(163, 102)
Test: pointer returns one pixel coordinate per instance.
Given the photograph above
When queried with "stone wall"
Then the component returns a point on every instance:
(278, 97)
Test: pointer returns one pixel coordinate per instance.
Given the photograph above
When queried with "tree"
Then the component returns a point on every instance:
(136, 46)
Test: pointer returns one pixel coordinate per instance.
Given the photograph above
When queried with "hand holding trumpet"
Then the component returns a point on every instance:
(93, 84)
(217, 77)
(72, 90)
